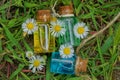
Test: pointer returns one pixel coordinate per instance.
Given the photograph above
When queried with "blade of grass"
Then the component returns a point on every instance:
(20, 67)
(108, 43)
(48, 74)
(101, 56)
(25, 76)
(8, 59)
(0, 46)
(11, 38)
(28, 48)
(3, 7)
(15, 55)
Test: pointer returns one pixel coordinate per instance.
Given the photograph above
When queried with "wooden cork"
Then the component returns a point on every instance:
(43, 15)
(81, 65)
(63, 10)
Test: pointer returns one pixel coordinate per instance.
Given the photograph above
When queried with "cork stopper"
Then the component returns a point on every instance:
(81, 65)
(64, 10)
(43, 15)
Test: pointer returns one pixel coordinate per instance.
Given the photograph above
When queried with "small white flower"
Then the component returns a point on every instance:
(66, 51)
(29, 26)
(57, 28)
(29, 54)
(80, 30)
(37, 63)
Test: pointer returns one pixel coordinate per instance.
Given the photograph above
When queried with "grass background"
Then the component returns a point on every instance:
(103, 51)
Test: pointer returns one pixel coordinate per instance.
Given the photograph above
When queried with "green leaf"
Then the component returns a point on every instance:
(15, 55)
(29, 5)
(18, 3)
(117, 37)
(76, 3)
(25, 76)
(8, 59)
(11, 38)
(11, 23)
(82, 77)
(20, 67)
(28, 48)
(66, 2)
(108, 5)
(6, 5)
(107, 44)
(78, 9)
(85, 16)
(0, 45)
(48, 74)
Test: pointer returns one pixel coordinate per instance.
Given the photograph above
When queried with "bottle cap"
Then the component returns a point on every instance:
(66, 10)
(43, 15)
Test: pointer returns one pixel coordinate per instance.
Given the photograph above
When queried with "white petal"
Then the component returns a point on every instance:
(30, 66)
(82, 24)
(53, 24)
(85, 34)
(82, 36)
(28, 20)
(34, 70)
(24, 25)
(25, 30)
(40, 67)
(29, 32)
(32, 20)
(86, 28)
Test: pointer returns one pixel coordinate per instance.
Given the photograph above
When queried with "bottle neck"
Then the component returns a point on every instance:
(67, 15)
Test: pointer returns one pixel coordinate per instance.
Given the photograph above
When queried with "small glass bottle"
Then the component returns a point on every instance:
(67, 16)
(62, 65)
(44, 42)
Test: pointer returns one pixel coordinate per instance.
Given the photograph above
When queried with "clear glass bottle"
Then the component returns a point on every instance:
(67, 16)
(62, 65)
(44, 42)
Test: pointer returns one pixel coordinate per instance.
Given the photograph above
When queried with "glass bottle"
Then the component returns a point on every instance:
(67, 16)
(44, 42)
(62, 65)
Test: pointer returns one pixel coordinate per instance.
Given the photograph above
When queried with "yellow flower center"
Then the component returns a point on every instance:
(66, 50)
(57, 28)
(30, 26)
(36, 63)
(80, 30)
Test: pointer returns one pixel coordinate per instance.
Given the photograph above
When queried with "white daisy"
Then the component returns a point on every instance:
(80, 30)
(37, 63)
(29, 26)
(29, 54)
(57, 28)
(66, 51)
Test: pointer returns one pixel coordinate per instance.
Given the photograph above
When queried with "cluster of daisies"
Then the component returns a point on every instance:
(57, 29)
(37, 62)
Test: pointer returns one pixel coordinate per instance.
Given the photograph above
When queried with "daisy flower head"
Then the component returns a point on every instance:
(66, 51)
(57, 28)
(29, 54)
(37, 63)
(29, 26)
(80, 30)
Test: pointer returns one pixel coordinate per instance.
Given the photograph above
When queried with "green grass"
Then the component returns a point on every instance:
(102, 51)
